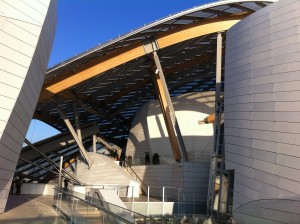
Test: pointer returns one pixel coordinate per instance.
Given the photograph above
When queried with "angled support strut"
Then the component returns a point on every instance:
(75, 136)
(176, 140)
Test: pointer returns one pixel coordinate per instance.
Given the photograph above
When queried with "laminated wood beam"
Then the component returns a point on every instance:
(166, 114)
(136, 50)
(75, 136)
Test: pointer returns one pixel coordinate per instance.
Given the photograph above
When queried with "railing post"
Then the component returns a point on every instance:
(71, 202)
(132, 195)
(163, 211)
(178, 198)
(60, 170)
(148, 193)
(193, 201)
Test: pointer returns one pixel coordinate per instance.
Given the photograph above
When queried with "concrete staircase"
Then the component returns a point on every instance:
(105, 171)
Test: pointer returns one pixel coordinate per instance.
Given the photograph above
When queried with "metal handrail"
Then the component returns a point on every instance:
(117, 206)
(137, 177)
(98, 207)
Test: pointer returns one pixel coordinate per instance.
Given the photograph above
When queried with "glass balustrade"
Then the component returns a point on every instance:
(81, 208)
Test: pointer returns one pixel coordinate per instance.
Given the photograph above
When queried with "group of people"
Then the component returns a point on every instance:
(155, 159)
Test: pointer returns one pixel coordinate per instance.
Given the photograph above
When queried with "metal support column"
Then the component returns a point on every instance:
(77, 124)
(218, 91)
(217, 155)
(74, 134)
(176, 140)
(94, 143)
(218, 113)
(60, 171)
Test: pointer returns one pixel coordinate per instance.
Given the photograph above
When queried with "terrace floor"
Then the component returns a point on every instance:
(33, 209)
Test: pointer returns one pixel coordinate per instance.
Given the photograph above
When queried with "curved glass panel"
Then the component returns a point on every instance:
(269, 211)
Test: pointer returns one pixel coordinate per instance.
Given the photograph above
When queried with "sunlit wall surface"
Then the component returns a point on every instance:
(26, 37)
(149, 133)
(262, 113)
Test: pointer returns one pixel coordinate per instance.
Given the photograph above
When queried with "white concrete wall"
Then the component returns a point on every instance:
(262, 107)
(191, 179)
(38, 189)
(26, 36)
(155, 209)
(149, 133)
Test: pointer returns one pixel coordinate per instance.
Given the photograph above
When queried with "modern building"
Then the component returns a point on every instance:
(213, 90)
(261, 114)
(26, 37)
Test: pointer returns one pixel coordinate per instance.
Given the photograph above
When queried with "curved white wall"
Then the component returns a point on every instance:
(262, 112)
(26, 36)
(149, 134)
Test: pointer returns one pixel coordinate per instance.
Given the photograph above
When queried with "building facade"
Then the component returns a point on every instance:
(26, 37)
(262, 95)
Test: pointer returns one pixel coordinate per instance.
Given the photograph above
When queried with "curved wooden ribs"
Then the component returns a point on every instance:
(136, 50)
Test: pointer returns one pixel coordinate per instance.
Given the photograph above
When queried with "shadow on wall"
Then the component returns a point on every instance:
(149, 133)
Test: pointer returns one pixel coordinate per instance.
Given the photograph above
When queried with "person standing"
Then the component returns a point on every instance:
(19, 185)
(157, 159)
(66, 183)
(13, 183)
(154, 159)
(129, 160)
(147, 158)
(122, 159)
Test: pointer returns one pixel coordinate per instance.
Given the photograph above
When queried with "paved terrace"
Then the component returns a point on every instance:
(33, 209)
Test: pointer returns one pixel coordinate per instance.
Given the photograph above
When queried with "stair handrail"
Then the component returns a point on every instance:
(127, 166)
(70, 193)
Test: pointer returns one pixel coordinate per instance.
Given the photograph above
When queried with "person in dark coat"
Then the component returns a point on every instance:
(155, 159)
(129, 160)
(147, 158)
(19, 183)
(122, 159)
(13, 183)
(66, 183)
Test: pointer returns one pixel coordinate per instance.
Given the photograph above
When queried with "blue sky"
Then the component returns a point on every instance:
(84, 24)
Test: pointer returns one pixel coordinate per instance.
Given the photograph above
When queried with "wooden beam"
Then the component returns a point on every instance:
(113, 147)
(108, 62)
(197, 29)
(170, 109)
(166, 114)
(75, 136)
(136, 50)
